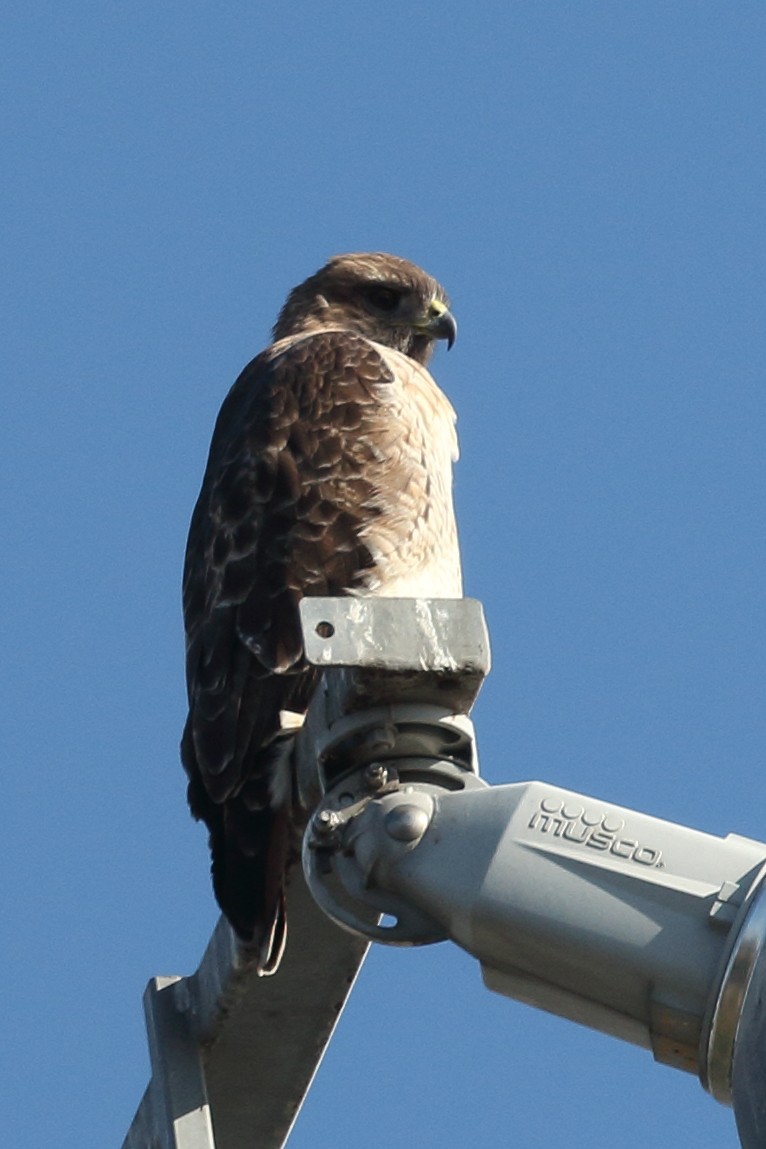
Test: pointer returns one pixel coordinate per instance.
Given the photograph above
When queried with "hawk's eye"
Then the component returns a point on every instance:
(383, 298)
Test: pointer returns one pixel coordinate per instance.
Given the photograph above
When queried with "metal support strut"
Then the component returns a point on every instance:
(646, 930)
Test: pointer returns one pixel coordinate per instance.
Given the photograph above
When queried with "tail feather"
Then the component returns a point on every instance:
(250, 857)
(249, 811)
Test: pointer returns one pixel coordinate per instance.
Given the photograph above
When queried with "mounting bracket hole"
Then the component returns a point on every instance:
(325, 629)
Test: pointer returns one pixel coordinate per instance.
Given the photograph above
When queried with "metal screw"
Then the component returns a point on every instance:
(325, 822)
(380, 738)
(376, 775)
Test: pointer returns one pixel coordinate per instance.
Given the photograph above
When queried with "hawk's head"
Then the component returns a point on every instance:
(376, 295)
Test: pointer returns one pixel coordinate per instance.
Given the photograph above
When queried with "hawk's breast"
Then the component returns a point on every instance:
(413, 540)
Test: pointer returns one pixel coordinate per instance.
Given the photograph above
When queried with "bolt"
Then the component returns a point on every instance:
(325, 821)
(380, 738)
(406, 823)
(376, 776)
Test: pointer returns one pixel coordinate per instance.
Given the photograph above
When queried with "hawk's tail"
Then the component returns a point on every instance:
(252, 846)
(250, 860)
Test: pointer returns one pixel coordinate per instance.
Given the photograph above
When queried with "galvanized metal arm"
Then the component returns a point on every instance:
(233, 1054)
(647, 930)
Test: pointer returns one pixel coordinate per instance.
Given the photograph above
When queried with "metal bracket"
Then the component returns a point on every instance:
(598, 913)
(650, 931)
(396, 675)
(400, 677)
(217, 1070)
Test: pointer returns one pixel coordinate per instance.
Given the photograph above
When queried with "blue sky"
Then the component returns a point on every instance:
(587, 180)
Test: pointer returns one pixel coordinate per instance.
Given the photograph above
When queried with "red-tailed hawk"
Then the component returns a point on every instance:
(330, 473)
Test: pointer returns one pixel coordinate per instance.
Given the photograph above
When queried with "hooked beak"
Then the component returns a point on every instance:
(439, 322)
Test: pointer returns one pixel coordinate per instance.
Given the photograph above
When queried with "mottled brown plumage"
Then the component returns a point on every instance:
(329, 473)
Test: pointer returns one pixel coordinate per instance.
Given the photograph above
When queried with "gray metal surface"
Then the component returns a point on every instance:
(174, 1113)
(248, 1046)
(234, 1054)
(396, 633)
(270, 1033)
(748, 1071)
(603, 915)
(400, 649)
(726, 1014)
(647, 930)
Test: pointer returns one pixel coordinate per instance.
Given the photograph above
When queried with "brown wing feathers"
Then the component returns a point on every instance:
(282, 504)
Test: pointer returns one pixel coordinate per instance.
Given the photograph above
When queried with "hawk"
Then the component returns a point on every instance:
(330, 473)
